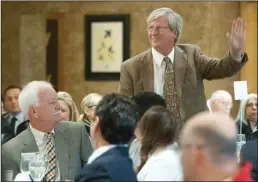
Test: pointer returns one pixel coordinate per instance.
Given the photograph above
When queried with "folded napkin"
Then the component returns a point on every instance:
(23, 177)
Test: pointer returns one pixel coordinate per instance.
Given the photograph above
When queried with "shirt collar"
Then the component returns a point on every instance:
(158, 58)
(19, 116)
(38, 134)
(98, 152)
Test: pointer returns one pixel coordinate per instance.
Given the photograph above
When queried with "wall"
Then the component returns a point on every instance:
(205, 24)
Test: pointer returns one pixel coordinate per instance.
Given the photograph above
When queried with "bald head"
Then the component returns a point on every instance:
(221, 102)
(221, 94)
(216, 132)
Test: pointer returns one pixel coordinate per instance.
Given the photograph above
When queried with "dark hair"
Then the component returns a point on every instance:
(146, 100)
(118, 115)
(158, 129)
(11, 87)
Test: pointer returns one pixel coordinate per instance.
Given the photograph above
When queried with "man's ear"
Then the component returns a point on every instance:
(96, 124)
(33, 112)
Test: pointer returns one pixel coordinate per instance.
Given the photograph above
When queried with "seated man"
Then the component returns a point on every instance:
(220, 102)
(110, 132)
(65, 144)
(13, 120)
(208, 145)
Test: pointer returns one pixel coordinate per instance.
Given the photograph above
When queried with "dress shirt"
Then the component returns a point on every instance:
(41, 141)
(20, 119)
(98, 152)
(159, 69)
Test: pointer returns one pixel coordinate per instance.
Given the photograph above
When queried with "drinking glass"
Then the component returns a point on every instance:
(240, 142)
(37, 167)
(25, 160)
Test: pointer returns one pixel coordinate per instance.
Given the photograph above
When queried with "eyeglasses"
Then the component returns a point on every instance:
(158, 29)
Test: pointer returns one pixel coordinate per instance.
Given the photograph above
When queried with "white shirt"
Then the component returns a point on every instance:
(41, 141)
(159, 69)
(101, 150)
(162, 165)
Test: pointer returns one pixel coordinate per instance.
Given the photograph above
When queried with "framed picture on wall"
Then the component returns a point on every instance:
(107, 45)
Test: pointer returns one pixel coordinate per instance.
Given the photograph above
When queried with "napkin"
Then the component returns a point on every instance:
(25, 176)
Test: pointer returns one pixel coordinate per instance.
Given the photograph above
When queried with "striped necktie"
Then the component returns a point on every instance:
(51, 154)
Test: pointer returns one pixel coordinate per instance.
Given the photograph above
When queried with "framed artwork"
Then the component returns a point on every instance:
(107, 45)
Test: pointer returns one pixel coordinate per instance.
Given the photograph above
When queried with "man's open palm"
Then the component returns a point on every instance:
(236, 39)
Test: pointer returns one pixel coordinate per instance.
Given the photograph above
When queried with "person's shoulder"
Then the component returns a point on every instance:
(187, 47)
(70, 125)
(5, 116)
(135, 59)
(16, 142)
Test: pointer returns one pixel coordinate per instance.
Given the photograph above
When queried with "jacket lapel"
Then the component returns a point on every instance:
(62, 148)
(147, 72)
(180, 68)
(30, 144)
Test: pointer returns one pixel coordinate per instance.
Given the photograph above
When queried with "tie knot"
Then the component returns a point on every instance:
(49, 135)
(167, 60)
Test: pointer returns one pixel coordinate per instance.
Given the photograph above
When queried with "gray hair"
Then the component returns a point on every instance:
(29, 95)
(175, 21)
(241, 112)
(220, 94)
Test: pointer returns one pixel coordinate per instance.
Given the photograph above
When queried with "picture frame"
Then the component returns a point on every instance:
(107, 45)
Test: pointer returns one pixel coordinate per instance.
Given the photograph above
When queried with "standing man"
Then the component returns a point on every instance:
(13, 121)
(177, 71)
(65, 144)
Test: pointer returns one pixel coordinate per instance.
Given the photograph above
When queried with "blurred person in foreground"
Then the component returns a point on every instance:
(110, 133)
(249, 153)
(208, 147)
(65, 144)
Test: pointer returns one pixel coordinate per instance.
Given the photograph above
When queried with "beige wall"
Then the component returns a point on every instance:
(205, 24)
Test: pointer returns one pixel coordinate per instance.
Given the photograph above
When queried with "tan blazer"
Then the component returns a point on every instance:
(191, 68)
(73, 148)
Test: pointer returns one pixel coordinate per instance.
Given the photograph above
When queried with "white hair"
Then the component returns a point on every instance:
(220, 95)
(29, 95)
(175, 21)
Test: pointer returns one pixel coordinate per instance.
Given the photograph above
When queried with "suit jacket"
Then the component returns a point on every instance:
(113, 165)
(72, 145)
(249, 153)
(191, 68)
(7, 130)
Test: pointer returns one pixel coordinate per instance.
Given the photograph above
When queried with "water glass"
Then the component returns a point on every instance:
(37, 168)
(25, 160)
(240, 142)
